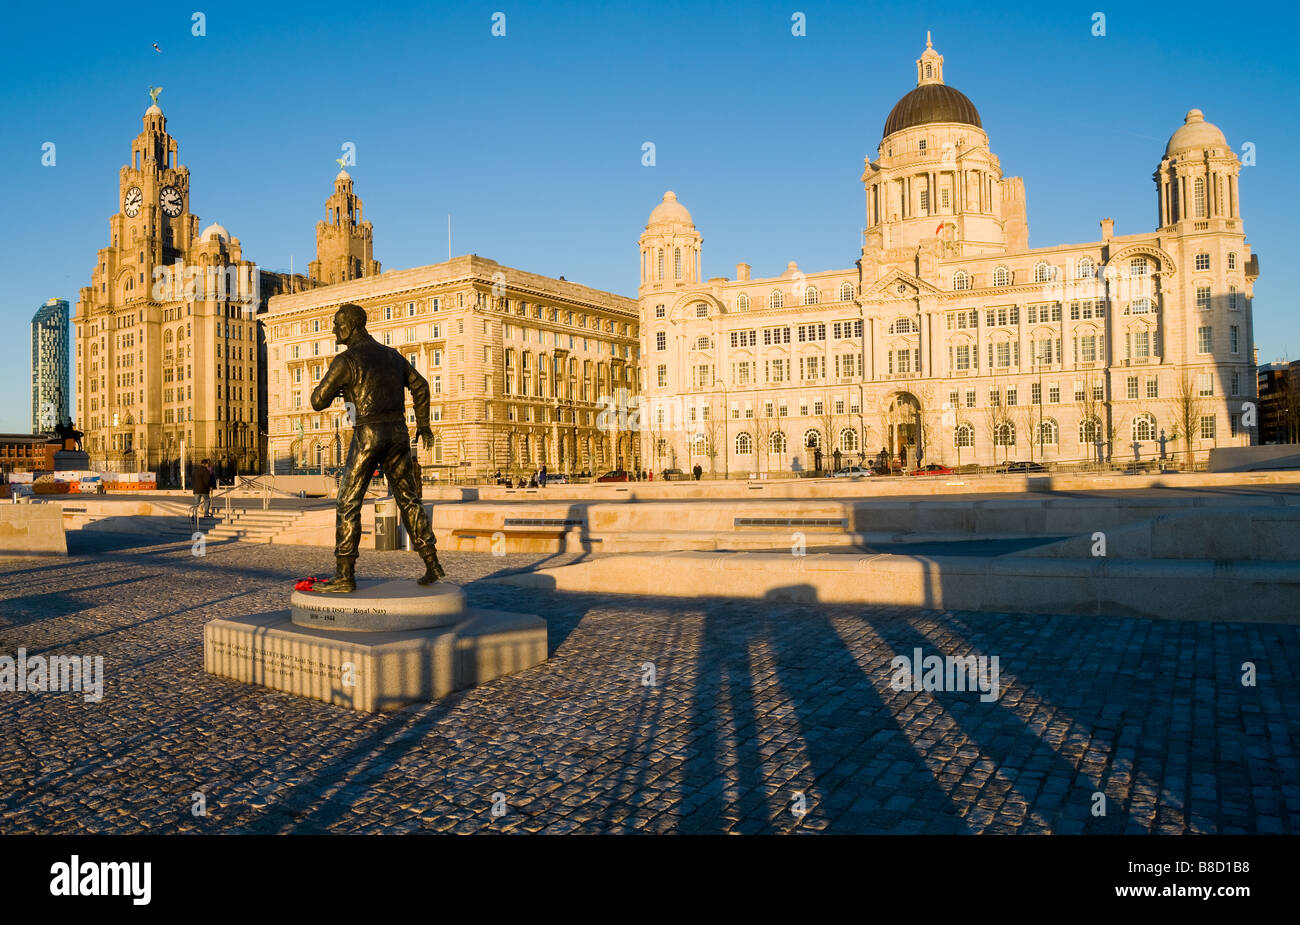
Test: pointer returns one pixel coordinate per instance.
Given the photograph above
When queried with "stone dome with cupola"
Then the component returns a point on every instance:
(670, 246)
(931, 101)
(935, 184)
(1195, 134)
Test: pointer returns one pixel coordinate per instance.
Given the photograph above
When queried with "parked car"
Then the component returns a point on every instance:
(556, 478)
(676, 475)
(852, 472)
(1014, 467)
(616, 475)
(932, 469)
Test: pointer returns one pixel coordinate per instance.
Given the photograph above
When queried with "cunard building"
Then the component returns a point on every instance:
(951, 339)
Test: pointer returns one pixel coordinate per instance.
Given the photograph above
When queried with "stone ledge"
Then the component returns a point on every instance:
(387, 669)
(1160, 589)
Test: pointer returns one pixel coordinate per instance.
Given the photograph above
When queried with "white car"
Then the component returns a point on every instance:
(852, 472)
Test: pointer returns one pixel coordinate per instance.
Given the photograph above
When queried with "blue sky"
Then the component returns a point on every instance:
(532, 141)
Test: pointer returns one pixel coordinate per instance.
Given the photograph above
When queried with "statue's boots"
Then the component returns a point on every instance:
(345, 577)
(433, 569)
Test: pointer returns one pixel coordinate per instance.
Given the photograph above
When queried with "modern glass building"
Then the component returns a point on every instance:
(50, 381)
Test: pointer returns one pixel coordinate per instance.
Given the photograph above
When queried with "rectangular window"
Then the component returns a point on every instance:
(1236, 384)
(662, 374)
(1142, 344)
(1204, 340)
(1035, 394)
(1153, 387)
(1234, 343)
(1132, 386)
(1202, 297)
(1205, 384)
(970, 398)
(1207, 426)
(1054, 394)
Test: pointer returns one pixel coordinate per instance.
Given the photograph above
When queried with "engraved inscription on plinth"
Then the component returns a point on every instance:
(380, 606)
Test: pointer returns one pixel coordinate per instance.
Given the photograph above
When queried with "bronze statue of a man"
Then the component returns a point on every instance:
(373, 378)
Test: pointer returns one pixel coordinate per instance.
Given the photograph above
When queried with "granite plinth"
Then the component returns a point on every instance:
(373, 671)
(380, 606)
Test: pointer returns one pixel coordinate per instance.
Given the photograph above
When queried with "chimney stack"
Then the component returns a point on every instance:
(742, 271)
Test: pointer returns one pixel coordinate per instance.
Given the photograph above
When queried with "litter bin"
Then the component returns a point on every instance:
(386, 524)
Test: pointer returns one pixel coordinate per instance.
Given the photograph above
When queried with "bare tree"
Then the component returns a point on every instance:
(829, 422)
(1188, 407)
(762, 439)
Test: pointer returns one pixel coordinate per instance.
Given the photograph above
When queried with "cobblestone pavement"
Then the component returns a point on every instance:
(756, 710)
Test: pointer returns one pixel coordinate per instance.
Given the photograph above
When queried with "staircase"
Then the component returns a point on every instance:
(253, 526)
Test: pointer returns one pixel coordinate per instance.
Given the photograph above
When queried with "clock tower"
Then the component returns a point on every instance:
(168, 349)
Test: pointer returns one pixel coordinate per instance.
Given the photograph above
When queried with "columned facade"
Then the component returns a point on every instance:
(951, 340)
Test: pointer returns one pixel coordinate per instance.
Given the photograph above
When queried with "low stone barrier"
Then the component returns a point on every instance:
(32, 530)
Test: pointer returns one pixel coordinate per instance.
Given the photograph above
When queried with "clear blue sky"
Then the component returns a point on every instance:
(533, 141)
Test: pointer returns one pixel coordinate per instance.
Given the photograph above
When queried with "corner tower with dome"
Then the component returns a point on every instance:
(951, 340)
(168, 346)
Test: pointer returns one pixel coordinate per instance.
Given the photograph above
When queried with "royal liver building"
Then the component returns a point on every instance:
(952, 340)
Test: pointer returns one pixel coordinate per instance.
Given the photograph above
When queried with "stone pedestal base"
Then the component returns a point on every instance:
(373, 671)
(380, 606)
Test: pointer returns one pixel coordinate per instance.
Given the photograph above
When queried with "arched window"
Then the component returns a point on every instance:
(846, 291)
(777, 441)
(1144, 427)
(961, 280)
(1198, 192)
(1001, 277)
(1044, 272)
(810, 295)
(812, 438)
(1048, 432)
(661, 263)
(677, 263)
(1137, 266)
(1005, 434)
(743, 302)
(1085, 268)
(744, 444)
(902, 326)
(1089, 430)
(964, 436)
(776, 299)
(848, 440)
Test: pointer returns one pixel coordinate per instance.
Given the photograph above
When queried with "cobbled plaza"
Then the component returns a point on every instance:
(651, 714)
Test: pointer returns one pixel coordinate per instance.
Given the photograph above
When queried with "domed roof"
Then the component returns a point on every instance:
(153, 110)
(1195, 132)
(931, 102)
(670, 212)
(343, 175)
(217, 231)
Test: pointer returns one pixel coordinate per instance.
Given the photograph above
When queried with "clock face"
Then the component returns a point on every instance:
(170, 199)
(131, 204)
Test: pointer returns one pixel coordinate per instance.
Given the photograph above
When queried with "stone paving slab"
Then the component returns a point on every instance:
(756, 710)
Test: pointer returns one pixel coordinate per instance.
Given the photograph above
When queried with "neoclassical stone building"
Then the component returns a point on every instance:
(952, 339)
(520, 368)
(169, 353)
